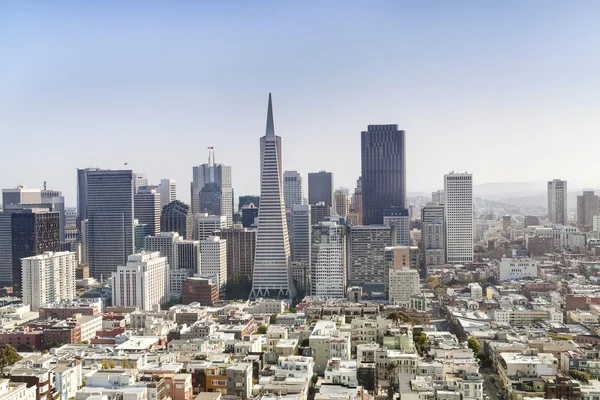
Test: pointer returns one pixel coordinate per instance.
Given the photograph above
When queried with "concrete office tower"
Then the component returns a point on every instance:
(110, 232)
(383, 161)
(139, 180)
(320, 188)
(400, 220)
(587, 208)
(212, 189)
(531, 220)
(328, 261)
(367, 256)
(458, 217)
(25, 233)
(432, 235)
(241, 248)
(301, 223)
(177, 217)
(48, 278)
(213, 253)
(402, 265)
(250, 216)
(180, 253)
(143, 282)
(341, 202)
(557, 202)
(206, 225)
(168, 191)
(319, 212)
(272, 265)
(438, 197)
(21, 195)
(293, 192)
(147, 208)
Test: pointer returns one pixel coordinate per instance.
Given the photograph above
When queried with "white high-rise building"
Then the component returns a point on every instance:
(206, 225)
(272, 265)
(292, 189)
(168, 191)
(458, 217)
(48, 277)
(211, 189)
(142, 283)
(139, 180)
(402, 263)
(213, 251)
(557, 202)
(399, 219)
(328, 264)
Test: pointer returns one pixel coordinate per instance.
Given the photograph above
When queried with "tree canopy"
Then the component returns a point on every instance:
(399, 316)
(581, 376)
(474, 345)
(9, 356)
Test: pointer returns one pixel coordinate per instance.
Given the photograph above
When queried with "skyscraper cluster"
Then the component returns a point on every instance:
(283, 240)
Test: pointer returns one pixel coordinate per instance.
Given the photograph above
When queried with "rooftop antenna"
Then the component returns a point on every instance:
(44, 185)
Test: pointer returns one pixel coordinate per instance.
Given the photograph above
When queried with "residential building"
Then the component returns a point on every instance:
(142, 283)
(587, 209)
(17, 390)
(213, 251)
(320, 188)
(458, 217)
(402, 267)
(177, 217)
(383, 163)
(328, 260)
(239, 380)
(517, 268)
(147, 208)
(326, 342)
(367, 256)
(272, 264)
(110, 213)
(565, 237)
(48, 277)
(212, 189)
(557, 202)
(168, 191)
(25, 233)
(241, 249)
(432, 234)
(293, 192)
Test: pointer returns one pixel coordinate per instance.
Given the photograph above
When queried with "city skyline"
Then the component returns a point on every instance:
(444, 62)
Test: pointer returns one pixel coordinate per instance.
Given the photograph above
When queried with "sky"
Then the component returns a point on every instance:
(506, 90)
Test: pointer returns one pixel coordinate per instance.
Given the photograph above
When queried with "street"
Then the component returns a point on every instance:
(490, 388)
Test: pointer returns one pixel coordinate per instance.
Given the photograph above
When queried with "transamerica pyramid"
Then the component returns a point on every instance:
(272, 275)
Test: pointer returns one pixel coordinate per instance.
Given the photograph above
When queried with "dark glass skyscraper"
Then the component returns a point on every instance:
(177, 217)
(383, 162)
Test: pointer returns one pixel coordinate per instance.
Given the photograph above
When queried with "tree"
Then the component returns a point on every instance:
(9, 356)
(262, 330)
(104, 363)
(474, 345)
(112, 364)
(238, 287)
(421, 342)
(581, 376)
(432, 282)
(399, 316)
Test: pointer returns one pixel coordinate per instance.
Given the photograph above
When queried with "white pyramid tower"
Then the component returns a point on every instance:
(272, 269)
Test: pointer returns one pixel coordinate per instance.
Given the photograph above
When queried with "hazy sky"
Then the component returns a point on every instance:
(507, 90)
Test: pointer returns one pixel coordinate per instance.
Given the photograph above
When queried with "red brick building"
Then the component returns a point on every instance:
(23, 339)
(199, 290)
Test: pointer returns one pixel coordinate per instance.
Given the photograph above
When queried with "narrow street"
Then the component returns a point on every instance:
(489, 388)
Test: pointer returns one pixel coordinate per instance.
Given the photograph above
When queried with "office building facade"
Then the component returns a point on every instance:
(328, 261)
(143, 282)
(147, 208)
(399, 219)
(272, 264)
(177, 217)
(168, 191)
(110, 214)
(458, 217)
(432, 235)
(293, 193)
(320, 188)
(212, 189)
(241, 249)
(587, 208)
(206, 225)
(383, 163)
(557, 202)
(300, 232)
(319, 212)
(213, 252)
(402, 266)
(367, 256)
(341, 202)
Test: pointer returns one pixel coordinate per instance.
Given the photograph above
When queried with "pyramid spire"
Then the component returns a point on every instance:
(270, 125)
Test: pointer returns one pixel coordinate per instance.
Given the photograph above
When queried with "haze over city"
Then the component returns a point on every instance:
(506, 91)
